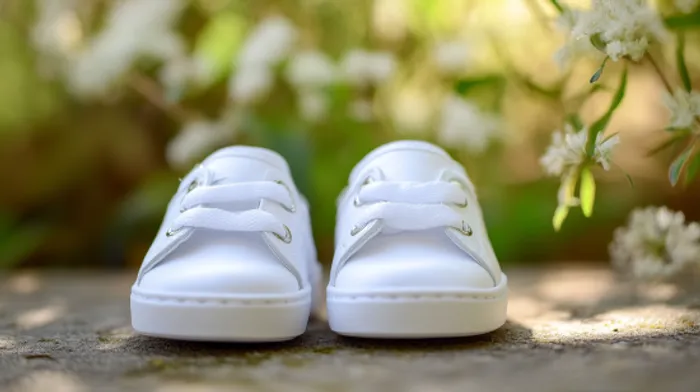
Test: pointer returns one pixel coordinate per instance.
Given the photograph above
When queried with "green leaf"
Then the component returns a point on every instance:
(559, 217)
(677, 136)
(598, 43)
(466, 85)
(596, 76)
(599, 126)
(683, 22)
(674, 172)
(575, 120)
(691, 170)
(680, 62)
(567, 190)
(218, 42)
(558, 6)
(587, 192)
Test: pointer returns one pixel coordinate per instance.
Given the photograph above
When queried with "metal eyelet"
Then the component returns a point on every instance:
(293, 207)
(194, 184)
(287, 235)
(172, 232)
(465, 229)
(356, 202)
(356, 229)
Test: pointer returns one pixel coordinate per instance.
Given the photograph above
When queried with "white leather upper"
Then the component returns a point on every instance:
(402, 222)
(225, 230)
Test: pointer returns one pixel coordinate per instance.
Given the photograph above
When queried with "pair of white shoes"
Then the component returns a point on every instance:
(235, 260)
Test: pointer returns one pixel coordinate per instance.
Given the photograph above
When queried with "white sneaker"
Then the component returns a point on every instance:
(412, 257)
(234, 259)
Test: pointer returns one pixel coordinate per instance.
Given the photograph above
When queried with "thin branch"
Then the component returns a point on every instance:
(153, 93)
(661, 74)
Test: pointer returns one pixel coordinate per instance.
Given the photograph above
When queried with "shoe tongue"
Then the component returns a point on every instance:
(406, 161)
(243, 163)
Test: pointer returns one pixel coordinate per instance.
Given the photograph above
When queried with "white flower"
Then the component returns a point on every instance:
(134, 29)
(450, 56)
(568, 150)
(574, 47)
(195, 140)
(268, 44)
(177, 74)
(686, 6)
(57, 29)
(362, 68)
(656, 244)
(463, 123)
(624, 28)
(250, 84)
(361, 110)
(310, 70)
(684, 107)
(313, 105)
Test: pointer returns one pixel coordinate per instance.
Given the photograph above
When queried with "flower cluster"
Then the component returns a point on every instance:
(686, 6)
(568, 150)
(267, 45)
(450, 56)
(134, 29)
(362, 68)
(194, 140)
(463, 123)
(310, 72)
(657, 243)
(619, 28)
(684, 107)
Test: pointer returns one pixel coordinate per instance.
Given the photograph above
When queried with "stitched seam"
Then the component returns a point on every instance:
(218, 301)
(413, 296)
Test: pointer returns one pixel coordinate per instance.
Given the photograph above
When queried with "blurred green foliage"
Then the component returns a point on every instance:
(85, 183)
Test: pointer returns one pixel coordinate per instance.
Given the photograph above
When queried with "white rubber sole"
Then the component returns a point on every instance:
(233, 318)
(417, 313)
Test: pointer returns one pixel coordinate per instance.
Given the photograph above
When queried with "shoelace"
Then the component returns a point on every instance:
(411, 205)
(195, 214)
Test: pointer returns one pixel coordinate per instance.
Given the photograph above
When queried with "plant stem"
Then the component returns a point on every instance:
(659, 72)
(153, 93)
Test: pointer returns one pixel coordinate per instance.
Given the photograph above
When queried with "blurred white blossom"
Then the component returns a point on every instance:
(686, 6)
(178, 73)
(623, 28)
(195, 139)
(268, 44)
(575, 46)
(463, 123)
(568, 150)
(58, 30)
(450, 56)
(250, 84)
(361, 110)
(313, 105)
(656, 244)
(362, 68)
(134, 29)
(684, 107)
(310, 69)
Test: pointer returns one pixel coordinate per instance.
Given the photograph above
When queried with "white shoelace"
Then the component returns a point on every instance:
(195, 213)
(411, 205)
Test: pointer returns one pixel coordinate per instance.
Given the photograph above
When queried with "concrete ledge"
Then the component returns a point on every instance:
(569, 329)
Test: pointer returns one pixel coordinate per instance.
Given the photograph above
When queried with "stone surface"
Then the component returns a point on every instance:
(571, 329)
